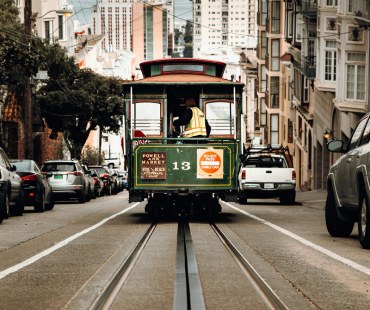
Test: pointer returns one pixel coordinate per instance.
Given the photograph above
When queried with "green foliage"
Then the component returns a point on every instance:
(75, 101)
(188, 38)
(72, 101)
(91, 156)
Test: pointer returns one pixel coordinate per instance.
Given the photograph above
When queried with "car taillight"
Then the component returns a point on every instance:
(244, 174)
(76, 173)
(31, 177)
(294, 175)
(104, 175)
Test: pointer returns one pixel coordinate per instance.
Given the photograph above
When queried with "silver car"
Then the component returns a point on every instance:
(348, 197)
(67, 178)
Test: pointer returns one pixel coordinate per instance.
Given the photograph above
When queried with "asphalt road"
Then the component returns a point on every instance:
(62, 259)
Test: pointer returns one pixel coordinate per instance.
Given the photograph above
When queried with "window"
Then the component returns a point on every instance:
(60, 27)
(275, 17)
(264, 12)
(306, 97)
(220, 116)
(275, 55)
(356, 135)
(274, 92)
(274, 129)
(366, 136)
(330, 61)
(331, 2)
(263, 112)
(263, 79)
(146, 116)
(355, 67)
(48, 29)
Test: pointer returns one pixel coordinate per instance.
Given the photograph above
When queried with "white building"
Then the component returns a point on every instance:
(223, 23)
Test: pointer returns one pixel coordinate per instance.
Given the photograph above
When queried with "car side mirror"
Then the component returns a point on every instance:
(335, 146)
(13, 168)
(94, 175)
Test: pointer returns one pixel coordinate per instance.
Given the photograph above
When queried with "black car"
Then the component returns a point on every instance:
(38, 191)
(106, 177)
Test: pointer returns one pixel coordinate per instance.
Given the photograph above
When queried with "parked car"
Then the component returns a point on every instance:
(115, 181)
(124, 176)
(348, 192)
(106, 177)
(98, 183)
(90, 182)
(11, 189)
(38, 191)
(119, 180)
(67, 179)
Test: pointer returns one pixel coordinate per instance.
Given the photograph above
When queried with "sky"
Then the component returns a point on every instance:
(183, 9)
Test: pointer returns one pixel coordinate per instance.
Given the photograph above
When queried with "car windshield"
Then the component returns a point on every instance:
(101, 170)
(62, 167)
(22, 165)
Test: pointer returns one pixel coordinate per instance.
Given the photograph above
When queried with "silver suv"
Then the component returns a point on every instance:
(348, 197)
(67, 178)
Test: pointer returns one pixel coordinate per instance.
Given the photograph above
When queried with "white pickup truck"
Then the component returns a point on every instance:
(267, 172)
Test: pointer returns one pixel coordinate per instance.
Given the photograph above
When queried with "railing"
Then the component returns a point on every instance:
(307, 65)
(309, 8)
(361, 9)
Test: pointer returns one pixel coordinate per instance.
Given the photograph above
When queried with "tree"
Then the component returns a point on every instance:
(16, 62)
(76, 101)
(188, 38)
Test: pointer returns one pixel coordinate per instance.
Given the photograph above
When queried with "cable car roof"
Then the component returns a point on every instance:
(169, 66)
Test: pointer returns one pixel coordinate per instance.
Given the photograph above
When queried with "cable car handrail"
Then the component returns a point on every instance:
(186, 139)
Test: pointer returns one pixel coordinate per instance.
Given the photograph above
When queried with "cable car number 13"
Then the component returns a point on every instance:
(185, 165)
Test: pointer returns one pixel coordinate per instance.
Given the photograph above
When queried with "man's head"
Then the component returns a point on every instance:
(190, 102)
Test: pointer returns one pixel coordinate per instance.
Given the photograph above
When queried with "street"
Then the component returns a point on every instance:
(64, 258)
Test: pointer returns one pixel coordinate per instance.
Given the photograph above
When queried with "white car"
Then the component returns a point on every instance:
(348, 192)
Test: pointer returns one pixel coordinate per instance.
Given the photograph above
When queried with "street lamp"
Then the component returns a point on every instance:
(65, 12)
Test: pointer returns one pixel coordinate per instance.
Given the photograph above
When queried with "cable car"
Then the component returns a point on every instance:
(178, 174)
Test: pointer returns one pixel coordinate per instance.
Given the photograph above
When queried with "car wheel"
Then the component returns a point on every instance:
(364, 220)
(40, 202)
(5, 210)
(51, 203)
(18, 209)
(335, 226)
(242, 198)
(288, 198)
(82, 197)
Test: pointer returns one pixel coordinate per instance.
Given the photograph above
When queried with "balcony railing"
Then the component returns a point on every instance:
(361, 12)
(309, 9)
(307, 65)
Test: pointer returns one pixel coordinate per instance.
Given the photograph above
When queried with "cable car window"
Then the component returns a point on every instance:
(155, 70)
(211, 70)
(220, 116)
(146, 116)
(182, 67)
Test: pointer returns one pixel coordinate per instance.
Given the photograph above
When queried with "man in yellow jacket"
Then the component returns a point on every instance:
(196, 125)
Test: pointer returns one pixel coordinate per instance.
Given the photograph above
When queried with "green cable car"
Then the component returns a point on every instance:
(177, 174)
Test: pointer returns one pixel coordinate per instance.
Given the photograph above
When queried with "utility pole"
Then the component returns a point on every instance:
(28, 126)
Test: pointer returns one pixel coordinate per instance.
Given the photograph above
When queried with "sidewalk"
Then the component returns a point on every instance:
(314, 199)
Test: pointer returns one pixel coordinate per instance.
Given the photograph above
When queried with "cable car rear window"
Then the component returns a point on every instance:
(183, 67)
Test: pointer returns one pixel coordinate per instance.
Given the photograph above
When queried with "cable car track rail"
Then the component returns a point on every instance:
(107, 298)
(263, 289)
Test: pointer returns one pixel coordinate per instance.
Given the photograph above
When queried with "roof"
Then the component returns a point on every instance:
(146, 65)
(183, 78)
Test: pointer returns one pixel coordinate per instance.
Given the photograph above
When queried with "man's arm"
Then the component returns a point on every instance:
(184, 118)
(208, 128)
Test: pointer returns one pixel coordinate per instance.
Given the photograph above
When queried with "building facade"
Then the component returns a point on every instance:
(222, 23)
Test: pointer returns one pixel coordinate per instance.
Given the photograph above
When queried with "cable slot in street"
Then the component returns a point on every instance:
(188, 291)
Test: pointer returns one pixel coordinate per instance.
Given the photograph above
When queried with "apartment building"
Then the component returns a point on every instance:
(221, 23)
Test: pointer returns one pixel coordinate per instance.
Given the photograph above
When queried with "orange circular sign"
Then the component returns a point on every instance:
(210, 162)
